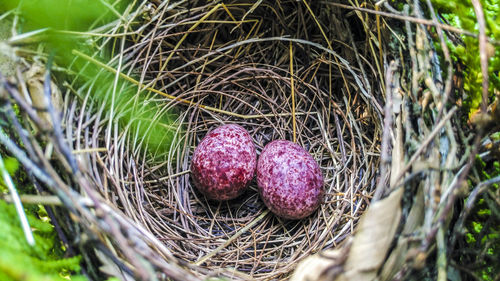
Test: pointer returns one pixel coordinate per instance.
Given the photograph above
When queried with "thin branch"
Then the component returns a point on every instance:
(28, 234)
(425, 143)
(385, 154)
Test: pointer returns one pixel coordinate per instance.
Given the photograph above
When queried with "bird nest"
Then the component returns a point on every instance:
(310, 73)
(277, 87)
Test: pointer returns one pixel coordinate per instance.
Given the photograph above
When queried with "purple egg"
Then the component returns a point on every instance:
(224, 162)
(289, 180)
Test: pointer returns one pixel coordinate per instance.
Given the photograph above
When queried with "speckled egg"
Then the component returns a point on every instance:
(289, 180)
(224, 162)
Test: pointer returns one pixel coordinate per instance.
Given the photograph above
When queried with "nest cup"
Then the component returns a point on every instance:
(286, 70)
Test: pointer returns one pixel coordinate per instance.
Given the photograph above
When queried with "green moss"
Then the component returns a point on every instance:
(20, 261)
(470, 238)
(481, 249)
(11, 165)
(461, 14)
(477, 226)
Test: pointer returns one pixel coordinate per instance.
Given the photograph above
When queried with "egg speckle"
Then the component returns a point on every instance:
(289, 180)
(224, 162)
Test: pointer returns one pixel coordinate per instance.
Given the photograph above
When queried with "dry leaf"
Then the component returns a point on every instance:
(364, 257)
(35, 77)
(111, 269)
(489, 120)
(398, 256)
(373, 238)
(416, 216)
(368, 250)
(322, 266)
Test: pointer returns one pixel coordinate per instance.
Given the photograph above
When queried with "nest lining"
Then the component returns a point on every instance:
(216, 66)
